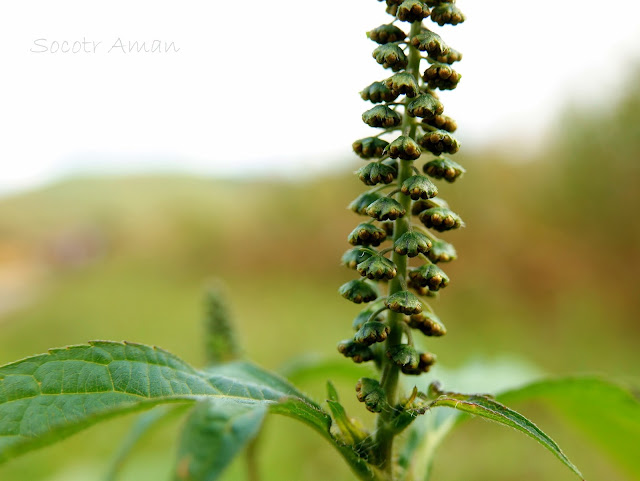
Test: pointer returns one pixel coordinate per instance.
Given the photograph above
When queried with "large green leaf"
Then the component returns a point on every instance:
(50, 396)
(608, 413)
(488, 408)
(216, 431)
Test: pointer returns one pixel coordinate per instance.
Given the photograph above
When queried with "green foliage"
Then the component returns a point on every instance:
(144, 424)
(492, 410)
(221, 344)
(48, 397)
(607, 413)
(216, 431)
(604, 410)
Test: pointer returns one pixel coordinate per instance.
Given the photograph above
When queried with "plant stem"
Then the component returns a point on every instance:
(385, 435)
(253, 473)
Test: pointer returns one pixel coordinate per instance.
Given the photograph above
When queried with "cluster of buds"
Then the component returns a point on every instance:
(408, 109)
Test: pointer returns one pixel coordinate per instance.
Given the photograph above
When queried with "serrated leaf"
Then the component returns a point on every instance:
(490, 409)
(609, 414)
(215, 432)
(47, 397)
(50, 396)
(426, 433)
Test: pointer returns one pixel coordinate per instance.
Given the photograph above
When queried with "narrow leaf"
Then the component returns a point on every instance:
(426, 433)
(215, 432)
(332, 392)
(490, 409)
(609, 414)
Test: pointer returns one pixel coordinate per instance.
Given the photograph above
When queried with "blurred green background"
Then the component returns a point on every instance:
(547, 273)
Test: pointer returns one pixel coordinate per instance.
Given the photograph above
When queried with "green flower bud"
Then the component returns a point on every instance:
(411, 244)
(425, 106)
(429, 275)
(386, 34)
(403, 83)
(450, 57)
(386, 208)
(427, 323)
(369, 147)
(382, 116)
(404, 302)
(420, 290)
(404, 355)
(391, 56)
(412, 11)
(443, 168)
(442, 251)
(440, 219)
(358, 291)
(430, 42)
(425, 361)
(371, 394)
(441, 76)
(419, 187)
(378, 92)
(422, 205)
(439, 141)
(442, 122)
(357, 352)
(376, 173)
(435, 3)
(367, 234)
(359, 204)
(404, 147)
(447, 13)
(364, 316)
(371, 332)
(355, 256)
(377, 267)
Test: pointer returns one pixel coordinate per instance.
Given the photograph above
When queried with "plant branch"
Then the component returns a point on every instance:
(385, 434)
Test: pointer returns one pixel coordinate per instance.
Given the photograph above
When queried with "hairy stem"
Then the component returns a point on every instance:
(385, 434)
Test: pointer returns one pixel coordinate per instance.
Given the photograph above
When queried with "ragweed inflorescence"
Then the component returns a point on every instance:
(413, 127)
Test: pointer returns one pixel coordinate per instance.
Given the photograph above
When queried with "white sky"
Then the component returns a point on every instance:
(272, 86)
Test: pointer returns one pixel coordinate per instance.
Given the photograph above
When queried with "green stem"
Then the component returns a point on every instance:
(373, 316)
(385, 434)
(426, 232)
(253, 473)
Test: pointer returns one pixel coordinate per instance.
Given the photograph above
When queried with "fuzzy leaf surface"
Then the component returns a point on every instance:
(50, 396)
